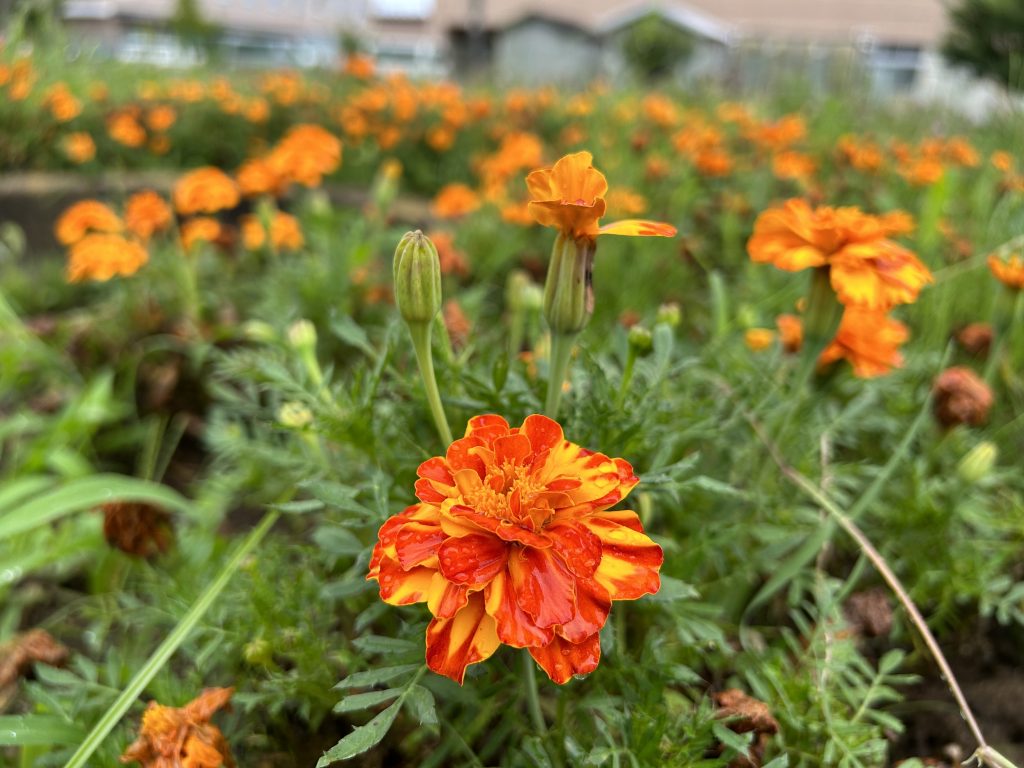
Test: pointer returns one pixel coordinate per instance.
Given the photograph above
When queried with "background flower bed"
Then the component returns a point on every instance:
(759, 592)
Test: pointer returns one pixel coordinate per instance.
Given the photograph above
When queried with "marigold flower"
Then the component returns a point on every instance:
(975, 339)
(79, 147)
(19, 654)
(101, 256)
(306, 154)
(161, 118)
(202, 229)
(454, 201)
(146, 213)
(84, 217)
(285, 232)
(62, 103)
(869, 340)
(360, 66)
(866, 268)
(170, 737)
(791, 332)
(1009, 271)
(513, 542)
(758, 339)
(960, 397)
(569, 196)
(259, 177)
(205, 190)
(125, 129)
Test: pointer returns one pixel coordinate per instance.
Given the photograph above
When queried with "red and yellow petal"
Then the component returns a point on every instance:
(469, 637)
(544, 585)
(542, 432)
(630, 561)
(417, 543)
(515, 626)
(562, 659)
(638, 228)
(472, 560)
(592, 608)
(445, 599)
(577, 546)
(401, 587)
(463, 521)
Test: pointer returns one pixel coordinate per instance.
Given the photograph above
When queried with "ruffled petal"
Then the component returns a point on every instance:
(592, 608)
(417, 543)
(638, 228)
(577, 546)
(545, 587)
(562, 659)
(470, 636)
(630, 561)
(472, 560)
(401, 587)
(515, 626)
(445, 599)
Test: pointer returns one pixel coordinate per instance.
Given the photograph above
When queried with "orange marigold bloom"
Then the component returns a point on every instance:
(791, 332)
(100, 257)
(1008, 271)
(161, 118)
(866, 268)
(569, 196)
(202, 229)
(793, 165)
(869, 340)
(205, 190)
(146, 213)
(360, 66)
(84, 217)
(260, 177)
(454, 201)
(758, 339)
(79, 147)
(513, 542)
(137, 528)
(125, 129)
(62, 103)
(306, 154)
(1002, 161)
(182, 737)
(285, 232)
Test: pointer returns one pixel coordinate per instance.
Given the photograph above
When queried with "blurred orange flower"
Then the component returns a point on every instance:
(791, 332)
(202, 229)
(125, 129)
(360, 66)
(285, 232)
(205, 190)
(1009, 271)
(513, 542)
(170, 737)
(146, 213)
(869, 340)
(866, 268)
(83, 217)
(101, 257)
(569, 196)
(305, 154)
(161, 118)
(79, 147)
(454, 201)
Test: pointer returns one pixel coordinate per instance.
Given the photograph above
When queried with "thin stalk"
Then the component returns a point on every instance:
(420, 333)
(561, 354)
(627, 377)
(984, 752)
(187, 283)
(170, 644)
(532, 695)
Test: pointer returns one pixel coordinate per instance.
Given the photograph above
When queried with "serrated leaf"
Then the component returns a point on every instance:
(376, 676)
(421, 701)
(366, 700)
(362, 738)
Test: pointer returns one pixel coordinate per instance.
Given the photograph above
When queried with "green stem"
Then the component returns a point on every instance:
(515, 335)
(187, 266)
(1003, 329)
(420, 333)
(170, 644)
(627, 377)
(558, 370)
(532, 695)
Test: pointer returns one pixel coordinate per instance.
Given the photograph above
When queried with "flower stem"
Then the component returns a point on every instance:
(627, 377)
(420, 333)
(561, 353)
(532, 695)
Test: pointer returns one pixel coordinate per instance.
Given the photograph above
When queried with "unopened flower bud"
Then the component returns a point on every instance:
(568, 292)
(417, 275)
(294, 415)
(669, 314)
(978, 462)
(257, 653)
(640, 339)
(516, 287)
(257, 330)
(302, 334)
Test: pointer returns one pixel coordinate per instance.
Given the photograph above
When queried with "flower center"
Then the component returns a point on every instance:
(507, 493)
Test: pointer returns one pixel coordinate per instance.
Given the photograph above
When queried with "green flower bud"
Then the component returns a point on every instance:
(302, 334)
(294, 415)
(641, 340)
(417, 275)
(821, 321)
(257, 330)
(978, 462)
(569, 292)
(669, 314)
(516, 287)
(257, 653)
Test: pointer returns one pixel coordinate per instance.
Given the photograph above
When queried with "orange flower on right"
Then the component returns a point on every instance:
(869, 272)
(1008, 271)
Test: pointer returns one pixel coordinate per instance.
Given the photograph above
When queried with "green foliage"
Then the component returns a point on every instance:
(987, 36)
